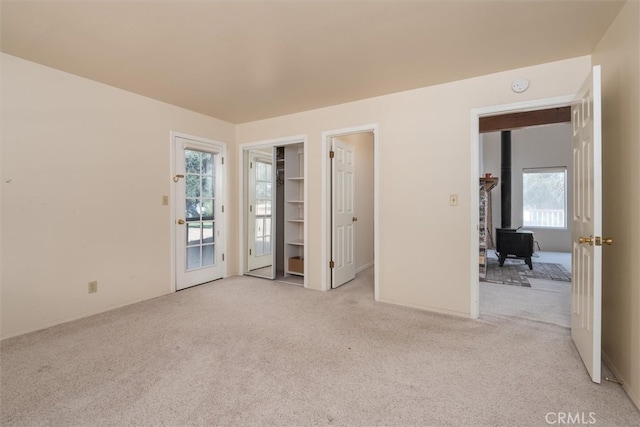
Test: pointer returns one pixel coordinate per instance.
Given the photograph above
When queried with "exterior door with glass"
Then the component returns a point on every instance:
(260, 224)
(199, 227)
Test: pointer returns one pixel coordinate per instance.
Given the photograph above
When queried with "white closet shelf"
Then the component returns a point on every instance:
(296, 178)
(297, 242)
(295, 201)
(296, 220)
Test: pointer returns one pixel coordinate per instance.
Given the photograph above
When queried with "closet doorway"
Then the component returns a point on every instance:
(273, 226)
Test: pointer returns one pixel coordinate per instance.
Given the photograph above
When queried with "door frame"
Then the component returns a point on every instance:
(276, 142)
(476, 114)
(325, 271)
(172, 197)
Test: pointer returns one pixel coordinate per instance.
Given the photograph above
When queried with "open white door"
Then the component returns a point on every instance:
(261, 207)
(586, 293)
(343, 213)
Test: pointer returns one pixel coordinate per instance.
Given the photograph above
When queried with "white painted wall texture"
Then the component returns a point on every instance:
(84, 169)
(619, 55)
(425, 155)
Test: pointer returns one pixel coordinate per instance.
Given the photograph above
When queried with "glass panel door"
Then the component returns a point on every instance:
(198, 210)
(260, 211)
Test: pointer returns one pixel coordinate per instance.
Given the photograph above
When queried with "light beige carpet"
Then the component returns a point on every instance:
(247, 351)
(545, 301)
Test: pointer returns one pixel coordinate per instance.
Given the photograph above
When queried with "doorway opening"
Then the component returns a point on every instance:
(350, 206)
(525, 222)
(586, 229)
(273, 228)
(476, 115)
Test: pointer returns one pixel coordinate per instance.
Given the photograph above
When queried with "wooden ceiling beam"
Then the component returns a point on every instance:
(525, 119)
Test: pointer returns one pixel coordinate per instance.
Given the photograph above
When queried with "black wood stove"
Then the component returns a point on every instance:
(514, 243)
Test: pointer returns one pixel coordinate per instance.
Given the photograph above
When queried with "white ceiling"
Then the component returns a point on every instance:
(242, 61)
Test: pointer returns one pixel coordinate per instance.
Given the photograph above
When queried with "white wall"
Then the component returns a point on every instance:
(364, 243)
(426, 245)
(87, 165)
(84, 169)
(539, 146)
(619, 54)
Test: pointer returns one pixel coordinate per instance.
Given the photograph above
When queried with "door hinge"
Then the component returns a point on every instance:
(223, 257)
(332, 264)
(249, 251)
(250, 208)
(222, 208)
(222, 159)
(332, 154)
(250, 165)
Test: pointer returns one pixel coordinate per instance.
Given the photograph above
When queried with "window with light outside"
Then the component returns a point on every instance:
(544, 197)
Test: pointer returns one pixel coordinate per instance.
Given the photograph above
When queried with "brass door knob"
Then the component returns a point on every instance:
(588, 240)
(181, 221)
(607, 241)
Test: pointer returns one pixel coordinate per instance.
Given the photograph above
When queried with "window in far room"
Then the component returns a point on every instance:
(544, 197)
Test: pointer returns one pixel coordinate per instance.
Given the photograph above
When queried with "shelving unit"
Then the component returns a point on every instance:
(294, 209)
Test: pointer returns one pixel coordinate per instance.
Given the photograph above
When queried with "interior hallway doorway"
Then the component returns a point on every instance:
(350, 186)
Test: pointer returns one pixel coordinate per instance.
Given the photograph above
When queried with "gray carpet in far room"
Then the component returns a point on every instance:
(247, 351)
(516, 272)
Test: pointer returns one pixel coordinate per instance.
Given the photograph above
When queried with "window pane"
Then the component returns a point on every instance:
(193, 257)
(544, 198)
(207, 232)
(207, 163)
(208, 254)
(192, 209)
(207, 209)
(207, 186)
(259, 227)
(193, 233)
(192, 161)
(192, 186)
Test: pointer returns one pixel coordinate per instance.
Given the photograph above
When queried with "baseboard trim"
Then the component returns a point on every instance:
(364, 267)
(428, 308)
(625, 387)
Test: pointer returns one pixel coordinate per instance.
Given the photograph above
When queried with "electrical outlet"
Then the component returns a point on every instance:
(453, 199)
(93, 287)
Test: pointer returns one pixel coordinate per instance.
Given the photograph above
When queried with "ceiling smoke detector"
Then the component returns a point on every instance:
(520, 85)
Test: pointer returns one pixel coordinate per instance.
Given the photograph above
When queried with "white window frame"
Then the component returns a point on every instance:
(550, 169)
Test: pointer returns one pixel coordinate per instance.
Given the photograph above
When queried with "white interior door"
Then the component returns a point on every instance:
(343, 213)
(199, 227)
(261, 223)
(586, 293)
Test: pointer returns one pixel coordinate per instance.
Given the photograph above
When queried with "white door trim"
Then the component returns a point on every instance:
(325, 275)
(172, 197)
(476, 113)
(276, 142)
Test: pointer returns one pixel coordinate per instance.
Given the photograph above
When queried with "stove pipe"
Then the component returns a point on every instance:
(505, 175)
